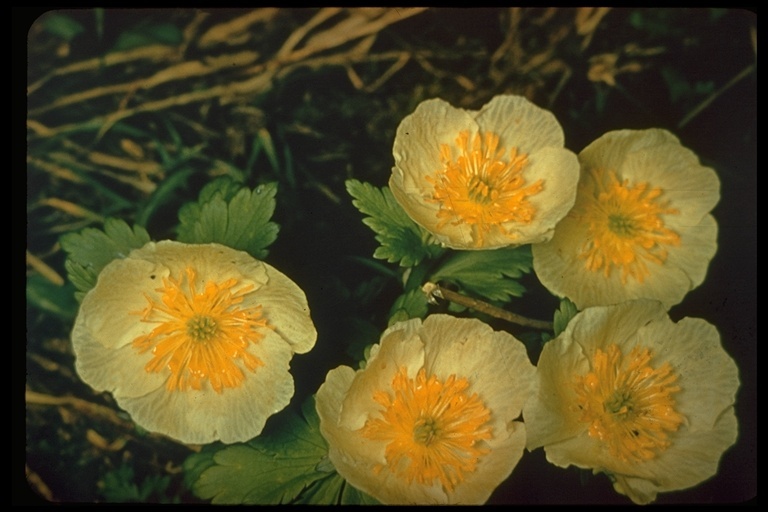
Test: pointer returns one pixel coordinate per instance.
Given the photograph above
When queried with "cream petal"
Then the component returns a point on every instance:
(355, 457)
(708, 376)
(500, 373)
(235, 415)
(559, 170)
(598, 327)
(698, 247)
(111, 311)
(520, 124)
(692, 459)
(610, 149)
(425, 214)
(285, 308)
(419, 136)
(548, 415)
(563, 273)
(492, 469)
(401, 346)
(414, 344)
(117, 370)
(690, 188)
(557, 265)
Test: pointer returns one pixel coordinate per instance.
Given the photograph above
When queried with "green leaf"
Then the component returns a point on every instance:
(230, 214)
(146, 35)
(335, 490)
(90, 250)
(490, 274)
(402, 240)
(563, 315)
(62, 25)
(51, 298)
(411, 304)
(287, 464)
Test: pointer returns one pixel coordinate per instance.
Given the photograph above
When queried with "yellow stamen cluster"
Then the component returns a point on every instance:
(482, 188)
(626, 227)
(433, 428)
(628, 404)
(200, 335)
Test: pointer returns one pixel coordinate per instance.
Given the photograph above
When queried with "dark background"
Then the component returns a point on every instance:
(691, 71)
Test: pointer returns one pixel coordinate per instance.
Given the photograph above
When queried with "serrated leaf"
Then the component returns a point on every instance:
(411, 304)
(90, 250)
(402, 240)
(230, 214)
(490, 274)
(337, 491)
(563, 315)
(273, 468)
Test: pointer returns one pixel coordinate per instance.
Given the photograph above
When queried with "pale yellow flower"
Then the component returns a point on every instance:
(626, 391)
(484, 179)
(432, 416)
(640, 227)
(193, 341)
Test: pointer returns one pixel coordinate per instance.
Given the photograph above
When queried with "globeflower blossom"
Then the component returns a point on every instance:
(484, 179)
(431, 418)
(193, 341)
(627, 392)
(641, 226)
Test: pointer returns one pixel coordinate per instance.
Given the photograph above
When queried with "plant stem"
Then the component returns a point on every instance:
(433, 291)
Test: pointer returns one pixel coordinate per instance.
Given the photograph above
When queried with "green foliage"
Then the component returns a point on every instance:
(62, 25)
(90, 250)
(51, 298)
(680, 90)
(119, 486)
(402, 240)
(563, 315)
(286, 464)
(411, 304)
(230, 214)
(148, 34)
(490, 274)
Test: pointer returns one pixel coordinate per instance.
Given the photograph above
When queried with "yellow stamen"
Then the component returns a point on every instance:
(482, 188)
(626, 226)
(628, 404)
(433, 428)
(200, 336)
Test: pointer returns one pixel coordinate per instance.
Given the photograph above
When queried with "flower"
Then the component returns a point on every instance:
(626, 391)
(484, 179)
(431, 417)
(194, 341)
(640, 227)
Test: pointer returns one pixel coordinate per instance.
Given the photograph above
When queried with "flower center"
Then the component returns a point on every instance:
(201, 327)
(626, 227)
(433, 428)
(482, 188)
(201, 336)
(628, 404)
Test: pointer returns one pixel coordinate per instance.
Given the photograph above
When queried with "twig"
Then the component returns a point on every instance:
(712, 97)
(44, 270)
(433, 290)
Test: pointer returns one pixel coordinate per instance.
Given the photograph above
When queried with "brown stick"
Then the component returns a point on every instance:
(435, 290)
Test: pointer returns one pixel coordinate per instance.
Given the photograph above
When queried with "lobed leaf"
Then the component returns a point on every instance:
(287, 464)
(91, 249)
(230, 214)
(402, 240)
(491, 274)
